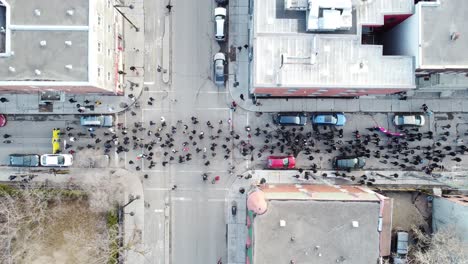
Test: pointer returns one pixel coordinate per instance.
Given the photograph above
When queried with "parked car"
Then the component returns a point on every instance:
(220, 18)
(56, 160)
(281, 162)
(219, 61)
(347, 163)
(335, 119)
(290, 119)
(3, 120)
(409, 120)
(24, 160)
(401, 248)
(234, 208)
(102, 120)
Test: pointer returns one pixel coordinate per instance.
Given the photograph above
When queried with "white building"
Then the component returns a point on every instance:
(60, 45)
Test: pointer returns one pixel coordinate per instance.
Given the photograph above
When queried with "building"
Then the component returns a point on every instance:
(320, 48)
(60, 45)
(435, 35)
(317, 224)
(451, 211)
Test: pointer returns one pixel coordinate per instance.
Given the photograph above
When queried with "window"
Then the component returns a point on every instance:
(108, 76)
(108, 28)
(99, 47)
(99, 71)
(108, 52)
(108, 3)
(99, 19)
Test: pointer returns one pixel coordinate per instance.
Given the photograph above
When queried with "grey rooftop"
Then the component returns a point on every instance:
(322, 231)
(284, 55)
(438, 22)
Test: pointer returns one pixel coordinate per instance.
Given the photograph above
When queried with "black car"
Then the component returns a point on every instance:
(290, 119)
(24, 160)
(349, 163)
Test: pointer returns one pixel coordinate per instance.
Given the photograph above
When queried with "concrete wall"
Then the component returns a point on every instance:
(404, 38)
(448, 213)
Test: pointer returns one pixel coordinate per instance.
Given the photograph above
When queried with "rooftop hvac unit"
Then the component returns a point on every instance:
(282, 223)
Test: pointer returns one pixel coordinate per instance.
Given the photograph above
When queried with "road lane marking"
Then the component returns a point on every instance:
(181, 199)
(149, 83)
(159, 211)
(214, 108)
(156, 189)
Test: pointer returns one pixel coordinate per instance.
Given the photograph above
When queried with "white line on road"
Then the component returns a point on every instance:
(156, 189)
(159, 211)
(187, 199)
(181, 199)
(163, 91)
(213, 108)
(217, 200)
(148, 83)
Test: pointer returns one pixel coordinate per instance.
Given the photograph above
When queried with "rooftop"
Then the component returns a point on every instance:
(438, 50)
(323, 232)
(51, 12)
(48, 41)
(285, 55)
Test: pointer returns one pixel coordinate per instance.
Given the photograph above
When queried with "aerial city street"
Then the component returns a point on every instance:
(234, 131)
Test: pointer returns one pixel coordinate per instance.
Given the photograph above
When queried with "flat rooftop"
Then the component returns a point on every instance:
(50, 60)
(438, 22)
(52, 12)
(39, 33)
(286, 56)
(322, 231)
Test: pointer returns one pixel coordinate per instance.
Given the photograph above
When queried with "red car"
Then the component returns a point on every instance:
(281, 162)
(3, 120)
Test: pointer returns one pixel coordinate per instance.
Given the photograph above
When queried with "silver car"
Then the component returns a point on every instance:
(409, 120)
(219, 61)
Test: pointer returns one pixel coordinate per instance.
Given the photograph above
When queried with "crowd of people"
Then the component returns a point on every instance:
(163, 143)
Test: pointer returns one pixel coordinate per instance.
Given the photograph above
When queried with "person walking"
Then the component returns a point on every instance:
(4, 100)
(72, 100)
(242, 97)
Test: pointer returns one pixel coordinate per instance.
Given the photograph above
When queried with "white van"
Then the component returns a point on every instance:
(220, 18)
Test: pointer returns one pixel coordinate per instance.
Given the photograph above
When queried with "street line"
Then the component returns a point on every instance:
(213, 108)
(164, 91)
(217, 200)
(156, 189)
(159, 211)
(181, 199)
(148, 83)
(199, 171)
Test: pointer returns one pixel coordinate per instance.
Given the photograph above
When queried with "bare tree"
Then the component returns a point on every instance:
(45, 226)
(444, 246)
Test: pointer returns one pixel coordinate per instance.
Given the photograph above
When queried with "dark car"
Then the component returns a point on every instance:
(24, 160)
(348, 163)
(290, 119)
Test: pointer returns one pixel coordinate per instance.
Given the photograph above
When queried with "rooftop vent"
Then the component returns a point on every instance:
(37, 72)
(70, 12)
(355, 224)
(12, 69)
(43, 43)
(68, 42)
(37, 12)
(282, 223)
(69, 66)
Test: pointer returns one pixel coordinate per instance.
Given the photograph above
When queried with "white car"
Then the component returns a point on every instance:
(409, 120)
(219, 61)
(220, 18)
(56, 160)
